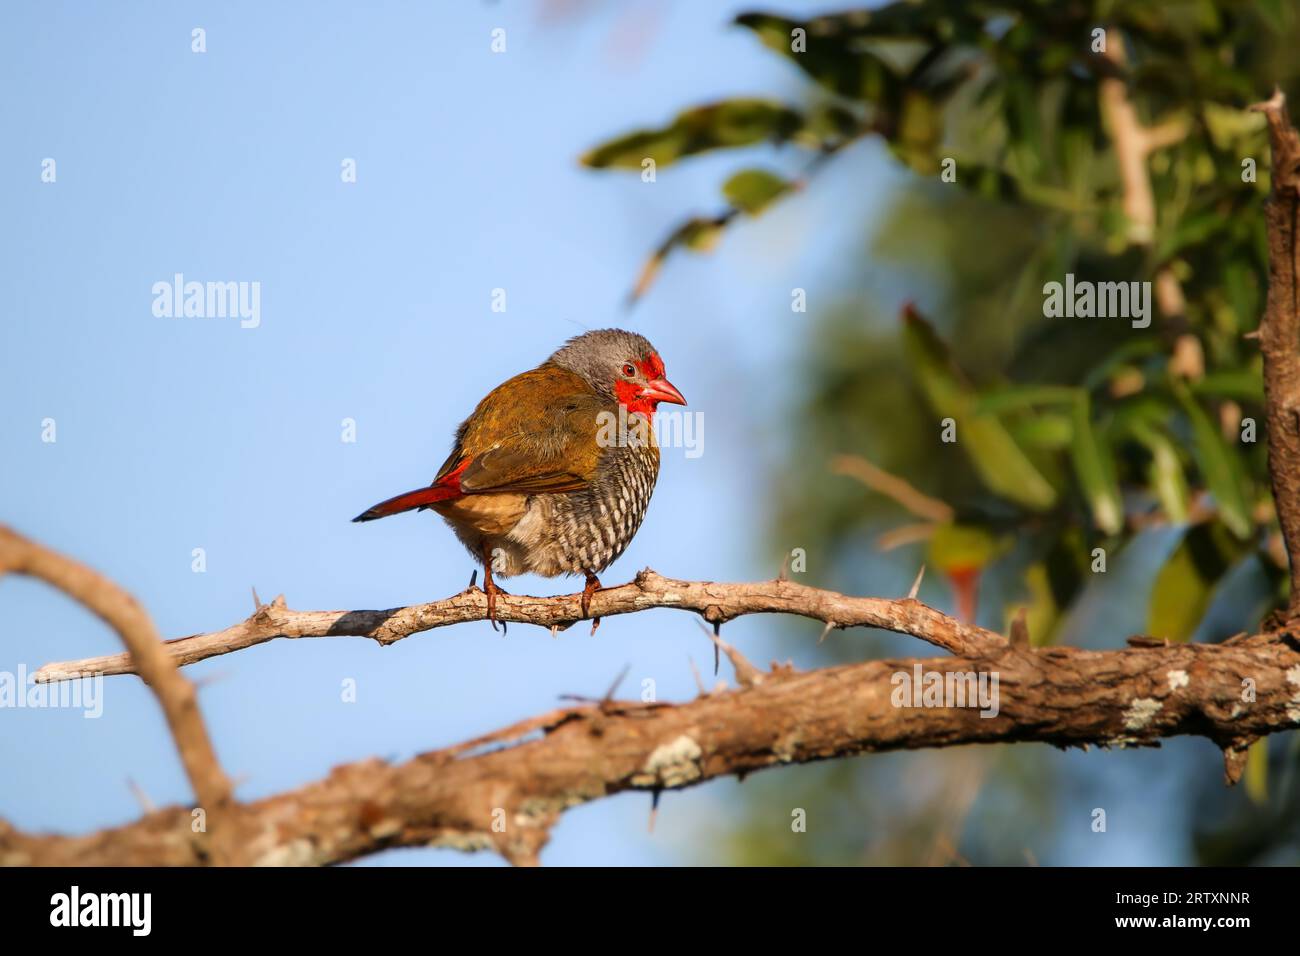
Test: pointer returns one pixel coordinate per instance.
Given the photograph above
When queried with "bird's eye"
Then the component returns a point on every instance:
(629, 370)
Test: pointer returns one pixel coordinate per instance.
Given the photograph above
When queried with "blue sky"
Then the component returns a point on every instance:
(175, 434)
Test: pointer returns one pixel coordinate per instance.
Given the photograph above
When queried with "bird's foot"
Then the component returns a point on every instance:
(491, 589)
(592, 586)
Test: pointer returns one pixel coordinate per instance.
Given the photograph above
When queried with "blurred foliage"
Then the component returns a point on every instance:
(1075, 437)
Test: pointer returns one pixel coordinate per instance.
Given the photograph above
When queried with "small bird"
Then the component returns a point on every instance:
(552, 472)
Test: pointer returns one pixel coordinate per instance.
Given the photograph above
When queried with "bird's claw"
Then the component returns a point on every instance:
(491, 589)
(591, 587)
(491, 592)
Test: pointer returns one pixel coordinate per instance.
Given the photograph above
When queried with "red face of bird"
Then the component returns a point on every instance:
(621, 365)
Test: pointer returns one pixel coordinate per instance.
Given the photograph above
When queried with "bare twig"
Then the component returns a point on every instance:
(145, 655)
(715, 602)
(900, 490)
(1134, 144)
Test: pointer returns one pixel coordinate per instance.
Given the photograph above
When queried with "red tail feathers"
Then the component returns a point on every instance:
(446, 488)
(412, 499)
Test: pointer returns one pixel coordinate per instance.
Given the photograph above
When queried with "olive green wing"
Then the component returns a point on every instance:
(535, 434)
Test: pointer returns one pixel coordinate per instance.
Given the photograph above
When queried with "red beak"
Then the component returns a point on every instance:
(662, 390)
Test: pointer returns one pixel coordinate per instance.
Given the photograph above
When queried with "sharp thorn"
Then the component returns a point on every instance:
(695, 672)
(916, 585)
(609, 694)
(141, 797)
(747, 675)
(1019, 636)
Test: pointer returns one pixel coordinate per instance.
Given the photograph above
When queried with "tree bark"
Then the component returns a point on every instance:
(507, 799)
(1279, 333)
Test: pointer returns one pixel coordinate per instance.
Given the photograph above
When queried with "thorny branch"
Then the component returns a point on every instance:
(508, 798)
(1279, 332)
(717, 603)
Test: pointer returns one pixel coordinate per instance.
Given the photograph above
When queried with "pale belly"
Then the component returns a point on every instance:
(556, 534)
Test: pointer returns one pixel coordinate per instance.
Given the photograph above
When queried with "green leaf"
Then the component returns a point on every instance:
(1001, 464)
(1228, 126)
(1129, 352)
(1016, 397)
(1240, 385)
(753, 190)
(1165, 472)
(1046, 430)
(988, 181)
(1191, 230)
(725, 125)
(748, 191)
(1241, 288)
(961, 547)
(918, 132)
(1256, 776)
(933, 367)
(1185, 584)
(698, 234)
(827, 127)
(830, 56)
(1221, 467)
(1143, 410)
(1095, 467)
(993, 182)
(905, 19)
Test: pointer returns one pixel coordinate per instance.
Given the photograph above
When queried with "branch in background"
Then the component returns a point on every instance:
(717, 603)
(145, 656)
(891, 486)
(1134, 144)
(508, 798)
(1279, 333)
